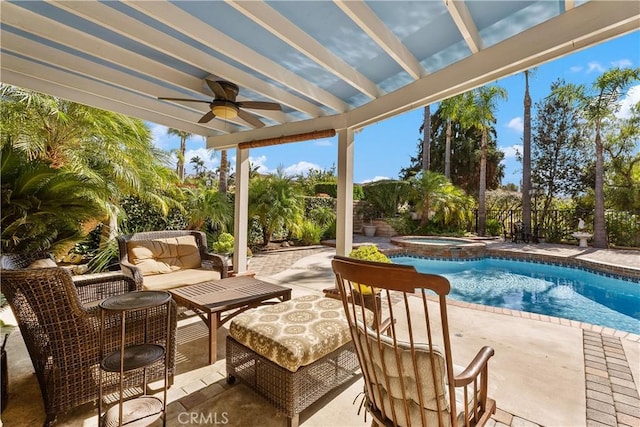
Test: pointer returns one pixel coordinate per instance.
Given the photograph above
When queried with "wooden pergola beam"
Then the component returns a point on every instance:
(325, 133)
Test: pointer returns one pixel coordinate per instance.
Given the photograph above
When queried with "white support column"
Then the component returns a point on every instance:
(344, 220)
(241, 220)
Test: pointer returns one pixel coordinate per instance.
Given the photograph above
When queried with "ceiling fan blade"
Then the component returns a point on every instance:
(207, 117)
(216, 88)
(250, 118)
(259, 105)
(184, 99)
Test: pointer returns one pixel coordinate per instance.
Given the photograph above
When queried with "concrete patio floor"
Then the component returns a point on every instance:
(546, 371)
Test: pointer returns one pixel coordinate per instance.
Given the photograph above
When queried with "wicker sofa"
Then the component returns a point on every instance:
(60, 322)
(162, 260)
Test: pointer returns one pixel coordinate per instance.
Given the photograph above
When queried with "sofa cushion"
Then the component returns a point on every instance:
(163, 282)
(43, 263)
(294, 333)
(164, 255)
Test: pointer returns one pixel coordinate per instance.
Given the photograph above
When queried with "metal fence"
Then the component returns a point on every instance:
(623, 228)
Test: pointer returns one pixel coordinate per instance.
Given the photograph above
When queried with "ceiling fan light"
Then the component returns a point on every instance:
(225, 111)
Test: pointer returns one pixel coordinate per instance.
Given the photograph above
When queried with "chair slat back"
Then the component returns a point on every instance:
(406, 360)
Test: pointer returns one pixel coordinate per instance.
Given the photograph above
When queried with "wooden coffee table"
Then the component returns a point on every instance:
(233, 294)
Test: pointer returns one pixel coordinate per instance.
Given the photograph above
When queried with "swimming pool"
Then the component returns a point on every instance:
(540, 288)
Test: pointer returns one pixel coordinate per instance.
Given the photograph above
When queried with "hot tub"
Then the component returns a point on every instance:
(440, 247)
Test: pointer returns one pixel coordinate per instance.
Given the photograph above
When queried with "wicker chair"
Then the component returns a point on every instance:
(410, 379)
(209, 261)
(60, 323)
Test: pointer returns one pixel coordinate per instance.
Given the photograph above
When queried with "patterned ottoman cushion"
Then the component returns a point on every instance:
(294, 333)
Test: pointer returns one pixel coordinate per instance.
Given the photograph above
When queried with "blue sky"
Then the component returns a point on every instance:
(382, 149)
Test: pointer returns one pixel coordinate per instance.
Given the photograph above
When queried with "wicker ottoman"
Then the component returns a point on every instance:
(293, 352)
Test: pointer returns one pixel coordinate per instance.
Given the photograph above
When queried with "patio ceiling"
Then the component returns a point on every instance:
(331, 65)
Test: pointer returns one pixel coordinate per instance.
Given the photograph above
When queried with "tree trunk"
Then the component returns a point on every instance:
(599, 226)
(447, 151)
(482, 207)
(526, 158)
(222, 185)
(183, 149)
(426, 138)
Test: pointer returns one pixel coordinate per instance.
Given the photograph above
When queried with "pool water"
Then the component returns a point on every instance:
(540, 288)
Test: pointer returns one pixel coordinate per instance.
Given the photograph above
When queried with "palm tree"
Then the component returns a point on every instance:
(433, 193)
(208, 205)
(597, 105)
(198, 165)
(223, 182)
(43, 207)
(184, 136)
(452, 109)
(526, 156)
(112, 150)
(481, 115)
(277, 203)
(426, 138)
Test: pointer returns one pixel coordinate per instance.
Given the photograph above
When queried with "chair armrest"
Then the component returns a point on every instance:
(215, 262)
(132, 272)
(98, 286)
(475, 368)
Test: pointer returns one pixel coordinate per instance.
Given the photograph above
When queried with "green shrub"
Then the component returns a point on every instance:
(224, 244)
(331, 188)
(310, 233)
(402, 224)
(493, 227)
(330, 230)
(369, 253)
(386, 196)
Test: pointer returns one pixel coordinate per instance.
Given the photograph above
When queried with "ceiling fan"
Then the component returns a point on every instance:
(225, 106)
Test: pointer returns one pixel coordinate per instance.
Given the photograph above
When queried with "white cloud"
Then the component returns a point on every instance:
(375, 178)
(516, 124)
(622, 63)
(323, 143)
(594, 66)
(260, 162)
(159, 136)
(512, 151)
(300, 168)
(632, 98)
(575, 69)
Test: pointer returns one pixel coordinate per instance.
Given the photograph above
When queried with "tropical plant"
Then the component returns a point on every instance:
(208, 206)
(184, 136)
(276, 201)
(480, 114)
(43, 207)
(113, 151)
(435, 198)
(597, 105)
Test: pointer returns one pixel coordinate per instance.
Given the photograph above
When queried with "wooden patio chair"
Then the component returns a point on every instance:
(407, 363)
(62, 330)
